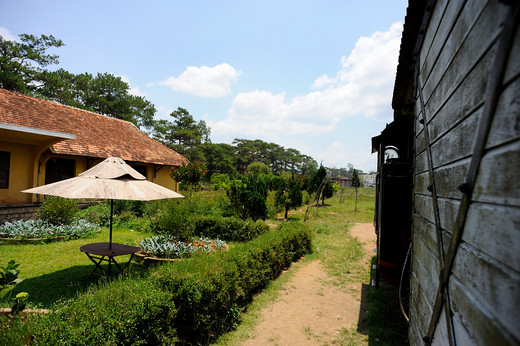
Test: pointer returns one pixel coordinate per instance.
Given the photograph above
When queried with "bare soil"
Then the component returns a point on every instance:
(310, 311)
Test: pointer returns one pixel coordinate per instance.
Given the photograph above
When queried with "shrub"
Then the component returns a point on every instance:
(228, 228)
(122, 312)
(209, 291)
(98, 214)
(57, 210)
(248, 196)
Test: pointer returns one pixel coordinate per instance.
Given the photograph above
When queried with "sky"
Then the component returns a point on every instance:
(316, 76)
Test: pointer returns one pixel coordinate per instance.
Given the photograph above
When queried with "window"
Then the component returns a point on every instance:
(5, 164)
(141, 169)
(58, 169)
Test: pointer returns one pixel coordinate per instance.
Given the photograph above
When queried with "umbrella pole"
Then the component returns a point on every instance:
(111, 213)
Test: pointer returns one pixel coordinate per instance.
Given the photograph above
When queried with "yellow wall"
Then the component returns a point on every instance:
(23, 172)
(162, 177)
(20, 173)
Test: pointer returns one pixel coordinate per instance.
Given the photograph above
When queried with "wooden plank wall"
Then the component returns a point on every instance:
(455, 60)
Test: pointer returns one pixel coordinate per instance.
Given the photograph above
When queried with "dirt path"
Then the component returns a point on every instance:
(310, 311)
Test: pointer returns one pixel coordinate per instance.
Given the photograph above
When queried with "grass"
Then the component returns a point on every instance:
(59, 270)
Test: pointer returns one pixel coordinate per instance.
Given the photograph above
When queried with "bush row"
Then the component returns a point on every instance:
(209, 294)
(228, 228)
(191, 301)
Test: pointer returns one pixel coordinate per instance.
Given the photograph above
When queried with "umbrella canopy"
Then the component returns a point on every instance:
(111, 179)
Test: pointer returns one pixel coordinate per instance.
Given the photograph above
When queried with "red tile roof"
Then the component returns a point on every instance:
(96, 135)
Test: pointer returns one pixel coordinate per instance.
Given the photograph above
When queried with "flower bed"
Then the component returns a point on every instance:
(37, 230)
(166, 248)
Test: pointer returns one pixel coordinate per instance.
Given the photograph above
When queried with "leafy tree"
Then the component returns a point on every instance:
(189, 174)
(258, 168)
(220, 158)
(220, 181)
(248, 196)
(184, 134)
(317, 179)
(288, 193)
(21, 63)
(327, 192)
(356, 182)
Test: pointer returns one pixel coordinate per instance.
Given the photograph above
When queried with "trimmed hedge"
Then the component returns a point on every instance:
(191, 301)
(209, 293)
(228, 228)
(122, 312)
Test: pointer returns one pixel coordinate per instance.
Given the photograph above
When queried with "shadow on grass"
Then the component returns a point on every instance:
(380, 314)
(47, 289)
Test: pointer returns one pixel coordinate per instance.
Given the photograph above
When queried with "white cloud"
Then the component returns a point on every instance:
(6, 34)
(363, 86)
(133, 90)
(204, 81)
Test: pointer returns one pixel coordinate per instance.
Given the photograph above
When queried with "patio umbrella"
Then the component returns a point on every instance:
(111, 179)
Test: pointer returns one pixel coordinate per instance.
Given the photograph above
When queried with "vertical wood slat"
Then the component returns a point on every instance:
(492, 94)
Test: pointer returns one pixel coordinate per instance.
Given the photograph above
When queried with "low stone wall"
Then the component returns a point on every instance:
(9, 213)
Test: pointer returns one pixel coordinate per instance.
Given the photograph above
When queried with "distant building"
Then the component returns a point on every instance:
(341, 181)
(368, 180)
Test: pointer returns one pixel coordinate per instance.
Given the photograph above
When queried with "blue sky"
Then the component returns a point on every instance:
(316, 76)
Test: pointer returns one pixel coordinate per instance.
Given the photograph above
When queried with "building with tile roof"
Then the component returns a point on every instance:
(43, 141)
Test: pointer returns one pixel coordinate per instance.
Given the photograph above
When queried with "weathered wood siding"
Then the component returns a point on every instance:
(455, 62)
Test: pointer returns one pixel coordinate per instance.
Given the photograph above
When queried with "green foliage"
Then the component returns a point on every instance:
(184, 134)
(209, 291)
(98, 214)
(327, 192)
(136, 208)
(276, 157)
(356, 182)
(9, 275)
(122, 312)
(189, 174)
(258, 168)
(57, 210)
(288, 193)
(21, 62)
(32, 229)
(166, 247)
(220, 158)
(317, 180)
(248, 196)
(220, 181)
(228, 228)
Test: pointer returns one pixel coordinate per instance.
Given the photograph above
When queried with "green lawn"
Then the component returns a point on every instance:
(58, 270)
